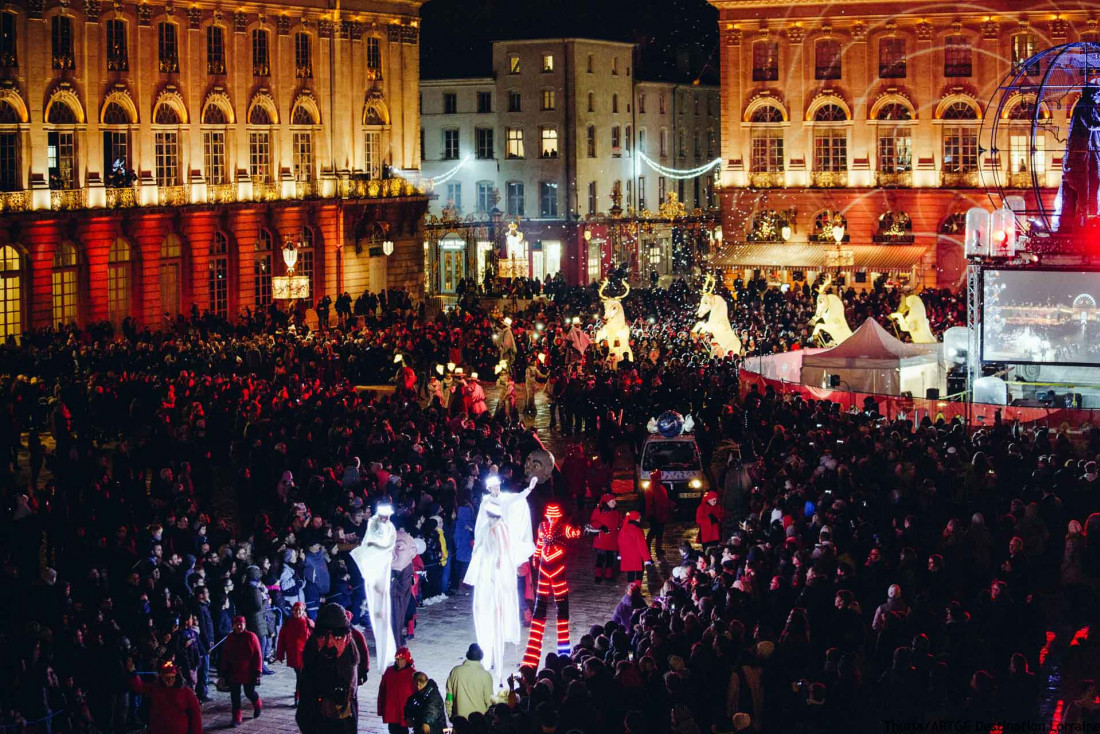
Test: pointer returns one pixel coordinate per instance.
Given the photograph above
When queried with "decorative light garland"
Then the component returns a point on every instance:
(436, 180)
(679, 173)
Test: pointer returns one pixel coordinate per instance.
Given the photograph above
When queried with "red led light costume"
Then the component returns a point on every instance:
(550, 556)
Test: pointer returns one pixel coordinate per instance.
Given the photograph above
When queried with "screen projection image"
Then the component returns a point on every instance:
(1041, 316)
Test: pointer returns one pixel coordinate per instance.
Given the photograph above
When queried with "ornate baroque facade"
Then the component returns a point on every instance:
(872, 110)
(156, 156)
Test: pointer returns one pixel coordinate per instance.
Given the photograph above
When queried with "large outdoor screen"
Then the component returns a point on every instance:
(1041, 316)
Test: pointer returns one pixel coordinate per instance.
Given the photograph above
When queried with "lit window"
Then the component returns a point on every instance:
(513, 65)
(259, 156)
(547, 62)
(548, 147)
(549, 99)
(515, 142)
(167, 157)
(303, 156)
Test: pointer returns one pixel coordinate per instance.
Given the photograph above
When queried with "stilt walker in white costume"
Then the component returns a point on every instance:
(375, 560)
(502, 541)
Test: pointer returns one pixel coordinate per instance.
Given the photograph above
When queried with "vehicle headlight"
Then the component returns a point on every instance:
(645, 484)
(695, 484)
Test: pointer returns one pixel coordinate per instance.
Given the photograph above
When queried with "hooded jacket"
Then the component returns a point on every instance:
(394, 690)
(293, 637)
(633, 550)
(425, 707)
(607, 521)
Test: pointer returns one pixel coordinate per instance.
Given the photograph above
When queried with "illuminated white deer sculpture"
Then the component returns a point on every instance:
(913, 320)
(829, 317)
(712, 307)
(615, 329)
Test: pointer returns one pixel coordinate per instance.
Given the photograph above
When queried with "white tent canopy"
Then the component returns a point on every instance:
(872, 360)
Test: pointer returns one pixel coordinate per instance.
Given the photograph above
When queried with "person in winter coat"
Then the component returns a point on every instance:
(318, 582)
(292, 642)
(253, 603)
(631, 601)
(658, 509)
(395, 688)
(465, 518)
(329, 688)
(606, 520)
(469, 686)
(424, 710)
(242, 666)
(709, 518)
(633, 550)
(173, 707)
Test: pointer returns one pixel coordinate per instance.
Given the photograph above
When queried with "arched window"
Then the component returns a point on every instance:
(214, 140)
(66, 299)
(11, 292)
(830, 113)
(960, 144)
(116, 146)
(307, 254)
(11, 171)
(119, 268)
(954, 224)
(61, 146)
(167, 145)
(895, 145)
(171, 274)
(767, 140)
(219, 275)
(259, 145)
(262, 264)
(830, 146)
(894, 226)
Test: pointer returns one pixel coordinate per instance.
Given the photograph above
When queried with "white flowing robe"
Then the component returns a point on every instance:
(375, 560)
(499, 547)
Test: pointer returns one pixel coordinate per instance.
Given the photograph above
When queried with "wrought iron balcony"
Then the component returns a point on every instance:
(14, 201)
(169, 65)
(68, 199)
(305, 189)
(64, 61)
(173, 195)
(376, 188)
(304, 71)
(893, 179)
(265, 191)
(121, 198)
(766, 179)
(828, 179)
(221, 193)
(959, 179)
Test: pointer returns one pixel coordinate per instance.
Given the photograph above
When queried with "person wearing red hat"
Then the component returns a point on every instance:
(395, 689)
(242, 666)
(292, 641)
(709, 518)
(633, 550)
(606, 519)
(173, 707)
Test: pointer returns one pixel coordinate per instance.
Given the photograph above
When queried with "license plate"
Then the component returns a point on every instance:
(690, 495)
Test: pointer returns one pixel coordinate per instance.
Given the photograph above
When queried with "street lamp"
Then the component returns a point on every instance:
(387, 248)
(838, 233)
(290, 256)
(785, 232)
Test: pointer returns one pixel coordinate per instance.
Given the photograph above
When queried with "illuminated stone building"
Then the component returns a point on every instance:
(155, 157)
(872, 110)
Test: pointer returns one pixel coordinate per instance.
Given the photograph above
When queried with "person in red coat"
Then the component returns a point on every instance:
(395, 688)
(173, 707)
(242, 666)
(633, 550)
(658, 509)
(292, 641)
(606, 521)
(709, 517)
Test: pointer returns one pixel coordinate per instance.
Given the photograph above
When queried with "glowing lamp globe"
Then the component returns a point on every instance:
(670, 424)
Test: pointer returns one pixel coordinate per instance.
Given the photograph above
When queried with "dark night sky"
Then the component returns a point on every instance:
(676, 38)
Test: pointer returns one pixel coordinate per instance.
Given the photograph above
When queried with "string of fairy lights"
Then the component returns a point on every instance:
(679, 173)
(436, 180)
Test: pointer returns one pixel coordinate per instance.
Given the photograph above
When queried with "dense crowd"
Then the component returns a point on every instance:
(208, 480)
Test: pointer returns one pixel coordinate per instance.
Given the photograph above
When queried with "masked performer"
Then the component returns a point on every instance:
(375, 560)
(550, 557)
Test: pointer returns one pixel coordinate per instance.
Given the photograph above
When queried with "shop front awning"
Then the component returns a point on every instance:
(874, 258)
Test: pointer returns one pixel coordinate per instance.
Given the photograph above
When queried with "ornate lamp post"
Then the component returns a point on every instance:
(290, 287)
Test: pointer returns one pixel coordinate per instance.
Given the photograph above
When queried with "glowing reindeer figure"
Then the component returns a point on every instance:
(829, 317)
(913, 320)
(615, 329)
(723, 339)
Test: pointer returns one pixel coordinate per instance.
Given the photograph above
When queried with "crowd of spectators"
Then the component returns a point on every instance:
(214, 471)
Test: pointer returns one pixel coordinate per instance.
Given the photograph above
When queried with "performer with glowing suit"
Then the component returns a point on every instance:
(550, 557)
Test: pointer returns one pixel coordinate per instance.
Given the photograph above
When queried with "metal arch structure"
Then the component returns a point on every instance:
(1050, 81)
